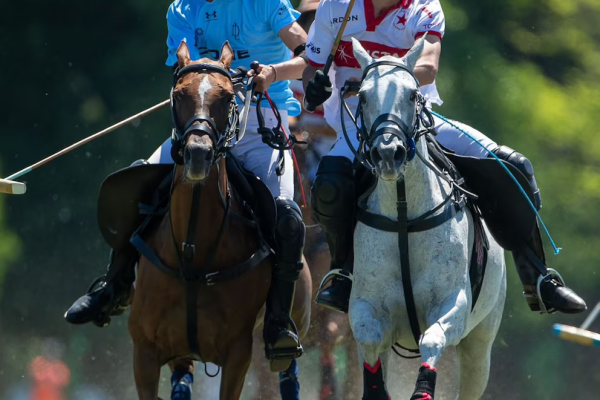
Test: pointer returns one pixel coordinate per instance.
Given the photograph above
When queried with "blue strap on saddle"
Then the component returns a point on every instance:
(556, 249)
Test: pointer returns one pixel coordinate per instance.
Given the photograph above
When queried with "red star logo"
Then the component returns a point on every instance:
(401, 20)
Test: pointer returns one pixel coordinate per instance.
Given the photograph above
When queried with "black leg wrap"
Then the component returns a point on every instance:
(374, 385)
(425, 386)
(523, 164)
(333, 200)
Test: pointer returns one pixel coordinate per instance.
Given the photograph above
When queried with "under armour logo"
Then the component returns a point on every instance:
(235, 31)
(212, 15)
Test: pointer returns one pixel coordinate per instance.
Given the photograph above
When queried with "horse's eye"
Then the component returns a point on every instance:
(413, 96)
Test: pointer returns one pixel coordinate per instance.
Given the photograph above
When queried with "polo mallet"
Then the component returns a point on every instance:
(9, 186)
(310, 107)
(580, 335)
(12, 187)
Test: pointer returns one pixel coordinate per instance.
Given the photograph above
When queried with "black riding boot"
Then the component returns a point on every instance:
(333, 200)
(544, 288)
(282, 343)
(109, 294)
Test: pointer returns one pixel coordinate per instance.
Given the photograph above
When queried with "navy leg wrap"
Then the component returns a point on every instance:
(289, 386)
(181, 383)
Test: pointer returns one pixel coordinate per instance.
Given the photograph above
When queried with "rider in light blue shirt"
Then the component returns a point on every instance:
(265, 31)
(251, 26)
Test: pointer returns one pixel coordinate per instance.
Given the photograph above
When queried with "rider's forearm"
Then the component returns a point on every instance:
(289, 70)
(425, 73)
(308, 74)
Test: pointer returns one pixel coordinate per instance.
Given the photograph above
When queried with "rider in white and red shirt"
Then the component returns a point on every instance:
(390, 27)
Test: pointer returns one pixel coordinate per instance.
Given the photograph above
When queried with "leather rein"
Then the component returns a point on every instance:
(423, 124)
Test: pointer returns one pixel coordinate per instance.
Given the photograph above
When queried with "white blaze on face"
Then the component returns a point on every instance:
(204, 87)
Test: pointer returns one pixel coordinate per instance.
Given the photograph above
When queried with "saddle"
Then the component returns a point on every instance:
(139, 194)
(499, 202)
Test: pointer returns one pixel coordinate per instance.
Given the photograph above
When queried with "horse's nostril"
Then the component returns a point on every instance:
(400, 154)
(209, 155)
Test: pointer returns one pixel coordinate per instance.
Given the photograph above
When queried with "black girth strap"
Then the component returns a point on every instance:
(188, 250)
(404, 260)
(191, 278)
(403, 226)
(423, 223)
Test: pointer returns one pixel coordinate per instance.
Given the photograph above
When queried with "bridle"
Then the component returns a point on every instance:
(422, 119)
(203, 124)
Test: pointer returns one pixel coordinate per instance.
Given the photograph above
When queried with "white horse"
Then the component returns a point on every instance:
(439, 257)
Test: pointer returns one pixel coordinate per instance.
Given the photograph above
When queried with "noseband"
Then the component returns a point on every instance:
(195, 125)
(407, 135)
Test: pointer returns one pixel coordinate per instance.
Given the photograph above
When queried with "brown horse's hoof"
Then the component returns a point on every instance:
(279, 365)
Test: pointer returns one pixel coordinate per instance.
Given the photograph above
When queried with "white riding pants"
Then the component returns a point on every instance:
(253, 154)
(448, 136)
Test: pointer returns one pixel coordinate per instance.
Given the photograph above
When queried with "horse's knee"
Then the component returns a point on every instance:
(433, 342)
(523, 164)
(290, 233)
(368, 331)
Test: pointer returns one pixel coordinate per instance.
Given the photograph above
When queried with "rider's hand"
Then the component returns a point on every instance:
(318, 89)
(267, 74)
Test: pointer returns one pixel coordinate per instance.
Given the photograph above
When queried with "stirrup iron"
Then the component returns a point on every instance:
(552, 273)
(330, 276)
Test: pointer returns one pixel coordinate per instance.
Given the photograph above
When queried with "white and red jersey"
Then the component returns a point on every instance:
(392, 33)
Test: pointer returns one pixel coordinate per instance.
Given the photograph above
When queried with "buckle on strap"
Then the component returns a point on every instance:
(209, 278)
(188, 251)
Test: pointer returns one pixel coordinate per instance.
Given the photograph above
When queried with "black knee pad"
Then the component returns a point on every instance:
(523, 164)
(289, 233)
(333, 194)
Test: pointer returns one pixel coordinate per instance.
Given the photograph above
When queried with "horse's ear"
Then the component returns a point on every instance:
(227, 54)
(363, 58)
(183, 54)
(414, 54)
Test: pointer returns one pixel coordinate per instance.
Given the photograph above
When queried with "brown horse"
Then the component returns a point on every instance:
(226, 297)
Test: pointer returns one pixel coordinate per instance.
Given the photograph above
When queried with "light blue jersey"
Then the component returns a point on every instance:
(251, 26)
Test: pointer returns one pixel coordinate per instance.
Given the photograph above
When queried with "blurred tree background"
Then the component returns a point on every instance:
(525, 72)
